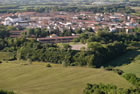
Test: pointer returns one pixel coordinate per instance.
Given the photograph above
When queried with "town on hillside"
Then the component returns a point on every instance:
(60, 20)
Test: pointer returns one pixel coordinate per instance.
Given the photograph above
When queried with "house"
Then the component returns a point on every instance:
(112, 29)
(11, 20)
(129, 29)
(22, 23)
(16, 20)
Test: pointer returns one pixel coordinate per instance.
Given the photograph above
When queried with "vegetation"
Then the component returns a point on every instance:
(132, 79)
(43, 32)
(6, 92)
(111, 89)
(133, 67)
(18, 70)
(108, 89)
(7, 56)
(102, 48)
(37, 79)
(69, 7)
(48, 65)
(0, 62)
(118, 71)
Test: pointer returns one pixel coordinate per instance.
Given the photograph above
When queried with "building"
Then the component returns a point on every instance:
(11, 20)
(14, 34)
(65, 39)
(16, 21)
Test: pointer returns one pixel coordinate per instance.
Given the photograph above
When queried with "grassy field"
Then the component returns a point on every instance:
(38, 79)
(134, 66)
(129, 62)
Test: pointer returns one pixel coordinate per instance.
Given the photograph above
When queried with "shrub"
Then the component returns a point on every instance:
(6, 92)
(118, 71)
(72, 64)
(48, 65)
(109, 89)
(109, 68)
(132, 78)
(0, 62)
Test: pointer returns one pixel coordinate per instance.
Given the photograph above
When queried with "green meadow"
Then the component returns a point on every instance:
(36, 78)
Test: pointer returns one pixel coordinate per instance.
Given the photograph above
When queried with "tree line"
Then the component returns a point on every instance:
(102, 48)
(108, 37)
(95, 9)
(44, 32)
(96, 55)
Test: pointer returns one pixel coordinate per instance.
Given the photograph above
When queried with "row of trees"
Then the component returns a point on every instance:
(101, 9)
(43, 32)
(99, 54)
(102, 47)
(52, 54)
(96, 9)
(96, 55)
(108, 37)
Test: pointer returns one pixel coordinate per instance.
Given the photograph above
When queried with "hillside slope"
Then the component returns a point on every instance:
(38, 79)
(134, 66)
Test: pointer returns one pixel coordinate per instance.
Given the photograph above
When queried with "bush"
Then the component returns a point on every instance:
(109, 68)
(48, 65)
(6, 92)
(108, 89)
(132, 78)
(118, 71)
(0, 62)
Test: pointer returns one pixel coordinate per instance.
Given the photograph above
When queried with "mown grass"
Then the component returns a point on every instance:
(36, 78)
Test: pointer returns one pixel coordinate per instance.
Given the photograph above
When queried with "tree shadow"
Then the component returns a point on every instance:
(124, 59)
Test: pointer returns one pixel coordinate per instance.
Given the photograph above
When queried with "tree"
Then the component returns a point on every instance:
(66, 47)
(94, 46)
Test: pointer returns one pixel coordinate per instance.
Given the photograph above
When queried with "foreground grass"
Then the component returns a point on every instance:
(38, 79)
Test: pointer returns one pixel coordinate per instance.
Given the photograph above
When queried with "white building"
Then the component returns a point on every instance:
(16, 20)
(12, 20)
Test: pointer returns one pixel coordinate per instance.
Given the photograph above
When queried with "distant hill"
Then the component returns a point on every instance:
(48, 1)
